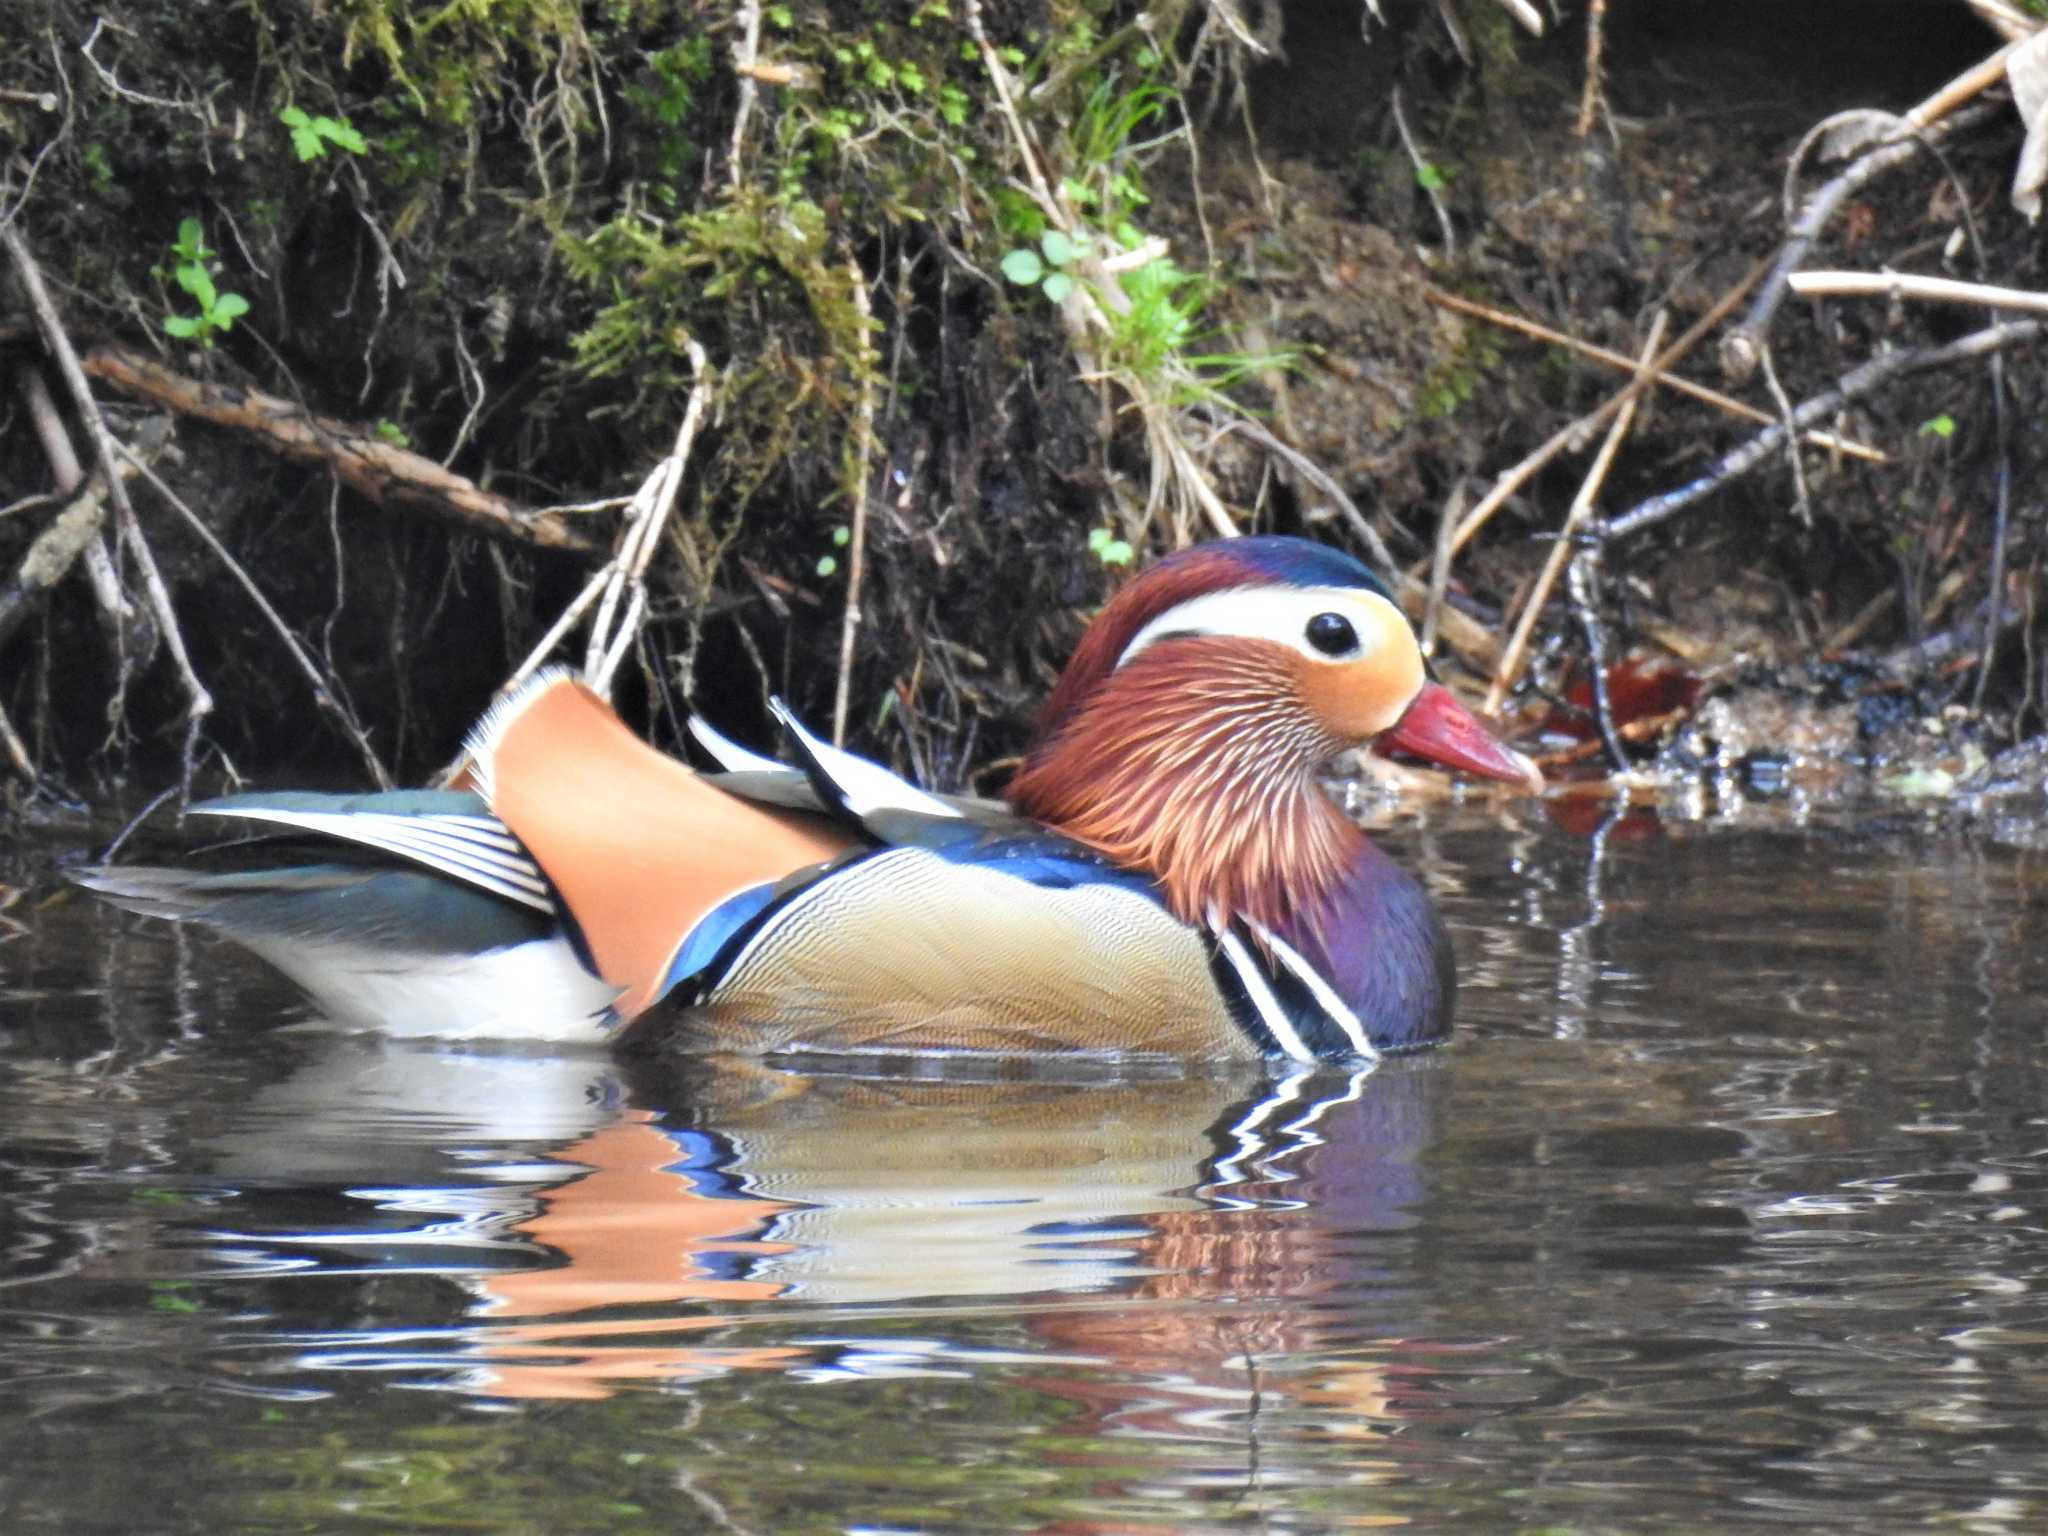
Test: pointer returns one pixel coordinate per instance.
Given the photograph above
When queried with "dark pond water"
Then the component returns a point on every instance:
(1727, 1210)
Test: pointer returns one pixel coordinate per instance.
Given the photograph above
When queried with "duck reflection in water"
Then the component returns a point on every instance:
(1165, 1231)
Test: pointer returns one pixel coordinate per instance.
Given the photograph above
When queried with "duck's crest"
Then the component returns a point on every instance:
(484, 738)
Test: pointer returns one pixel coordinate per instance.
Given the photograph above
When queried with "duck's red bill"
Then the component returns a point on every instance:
(1440, 730)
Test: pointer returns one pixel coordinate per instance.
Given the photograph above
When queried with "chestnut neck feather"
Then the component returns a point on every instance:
(1195, 762)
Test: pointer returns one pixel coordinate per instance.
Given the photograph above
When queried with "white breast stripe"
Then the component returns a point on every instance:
(1271, 1014)
(1319, 987)
(864, 786)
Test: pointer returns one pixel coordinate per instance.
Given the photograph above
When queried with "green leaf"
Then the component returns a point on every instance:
(1023, 267)
(1117, 552)
(232, 307)
(1097, 537)
(182, 326)
(1057, 286)
(195, 281)
(294, 117)
(191, 240)
(306, 144)
(340, 131)
(1059, 247)
(827, 565)
(1943, 425)
(842, 536)
(1429, 178)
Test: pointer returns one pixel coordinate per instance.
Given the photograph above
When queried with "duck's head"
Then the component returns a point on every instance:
(1185, 737)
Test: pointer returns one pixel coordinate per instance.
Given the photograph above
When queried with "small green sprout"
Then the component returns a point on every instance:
(828, 565)
(1943, 425)
(1024, 267)
(311, 135)
(193, 271)
(1108, 548)
(1431, 178)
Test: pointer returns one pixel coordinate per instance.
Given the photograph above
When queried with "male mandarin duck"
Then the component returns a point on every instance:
(1166, 879)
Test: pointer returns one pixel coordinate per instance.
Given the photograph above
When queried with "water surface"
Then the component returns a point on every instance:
(1727, 1209)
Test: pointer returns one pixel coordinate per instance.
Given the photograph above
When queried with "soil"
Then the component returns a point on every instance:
(993, 458)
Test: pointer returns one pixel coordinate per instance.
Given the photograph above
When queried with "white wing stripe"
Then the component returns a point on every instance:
(866, 787)
(424, 840)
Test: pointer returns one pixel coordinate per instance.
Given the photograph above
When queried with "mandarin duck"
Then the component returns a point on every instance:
(1166, 877)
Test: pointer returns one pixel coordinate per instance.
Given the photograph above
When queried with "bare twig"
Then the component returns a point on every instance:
(1513, 479)
(1912, 285)
(642, 533)
(1621, 360)
(1584, 584)
(1880, 370)
(69, 474)
(1426, 175)
(2001, 522)
(1596, 32)
(17, 751)
(1742, 346)
(324, 694)
(857, 473)
(1510, 667)
(379, 470)
(199, 703)
(746, 52)
(50, 555)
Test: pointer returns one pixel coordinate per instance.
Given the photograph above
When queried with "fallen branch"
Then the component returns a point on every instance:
(379, 470)
(198, 702)
(1912, 285)
(1513, 479)
(1510, 667)
(1742, 347)
(324, 693)
(1860, 382)
(1508, 321)
(857, 472)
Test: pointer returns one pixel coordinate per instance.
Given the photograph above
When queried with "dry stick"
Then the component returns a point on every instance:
(863, 455)
(382, 472)
(1508, 321)
(643, 532)
(51, 555)
(1510, 668)
(199, 703)
(323, 693)
(17, 750)
(2001, 522)
(1596, 30)
(642, 535)
(746, 53)
(1853, 385)
(69, 474)
(1583, 584)
(1911, 285)
(1426, 175)
(1514, 479)
(2006, 19)
(1742, 347)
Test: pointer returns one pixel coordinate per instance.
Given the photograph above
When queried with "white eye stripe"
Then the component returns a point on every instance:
(1278, 614)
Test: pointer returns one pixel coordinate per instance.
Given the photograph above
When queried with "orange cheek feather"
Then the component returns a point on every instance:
(1355, 700)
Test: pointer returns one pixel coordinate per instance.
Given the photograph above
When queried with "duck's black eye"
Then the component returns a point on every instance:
(1332, 634)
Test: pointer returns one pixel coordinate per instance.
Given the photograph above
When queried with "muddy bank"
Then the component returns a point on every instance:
(484, 269)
